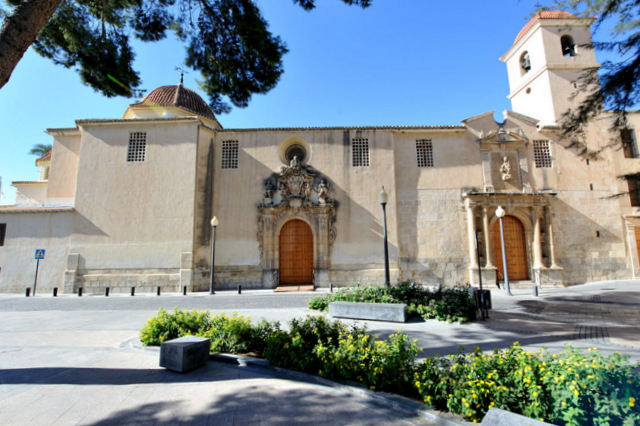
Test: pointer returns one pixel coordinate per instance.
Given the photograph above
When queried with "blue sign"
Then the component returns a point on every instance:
(40, 254)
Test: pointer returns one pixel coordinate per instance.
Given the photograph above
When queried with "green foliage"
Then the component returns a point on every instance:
(378, 364)
(40, 149)
(295, 349)
(228, 41)
(230, 334)
(171, 325)
(450, 304)
(446, 304)
(572, 388)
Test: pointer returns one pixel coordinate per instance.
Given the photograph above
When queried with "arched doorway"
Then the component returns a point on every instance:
(295, 253)
(515, 247)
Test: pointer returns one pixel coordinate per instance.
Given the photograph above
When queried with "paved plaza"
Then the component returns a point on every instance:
(77, 360)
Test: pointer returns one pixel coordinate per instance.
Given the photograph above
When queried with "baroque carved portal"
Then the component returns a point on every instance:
(296, 192)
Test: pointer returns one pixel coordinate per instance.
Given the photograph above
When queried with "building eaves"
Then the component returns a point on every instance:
(365, 128)
(34, 209)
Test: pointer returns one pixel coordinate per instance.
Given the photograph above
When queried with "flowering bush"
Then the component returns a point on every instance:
(378, 364)
(572, 388)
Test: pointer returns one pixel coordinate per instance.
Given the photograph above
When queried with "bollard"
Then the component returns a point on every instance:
(79, 291)
(184, 290)
(239, 289)
(133, 291)
(27, 291)
(106, 292)
(330, 287)
(55, 292)
(158, 292)
(535, 290)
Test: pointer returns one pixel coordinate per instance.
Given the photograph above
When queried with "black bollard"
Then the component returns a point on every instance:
(239, 289)
(133, 291)
(158, 292)
(535, 290)
(330, 287)
(55, 292)
(184, 290)
(79, 291)
(27, 291)
(106, 292)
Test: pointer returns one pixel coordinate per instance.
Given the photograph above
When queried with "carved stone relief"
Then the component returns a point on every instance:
(297, 191)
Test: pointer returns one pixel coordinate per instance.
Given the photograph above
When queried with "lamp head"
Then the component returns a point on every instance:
(383, 197)
(214, 221)
(500, 212)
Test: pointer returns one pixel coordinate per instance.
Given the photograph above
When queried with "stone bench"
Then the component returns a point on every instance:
(393, 312)
(498, 417)
(185, 353)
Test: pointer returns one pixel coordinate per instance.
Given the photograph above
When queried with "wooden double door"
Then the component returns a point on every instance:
(515, 248)
(295, 253)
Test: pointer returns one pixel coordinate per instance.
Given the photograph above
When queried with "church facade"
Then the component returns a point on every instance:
(128, 202)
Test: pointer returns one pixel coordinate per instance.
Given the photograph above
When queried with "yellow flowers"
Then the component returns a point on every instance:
(632, 401)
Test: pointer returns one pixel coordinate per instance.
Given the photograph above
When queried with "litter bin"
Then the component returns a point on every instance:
(483, 302)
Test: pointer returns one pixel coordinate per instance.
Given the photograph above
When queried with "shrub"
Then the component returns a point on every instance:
(378, 364)
(229, 334)
(294, 349)
(447, 304)
(571, 388)
(171, 325)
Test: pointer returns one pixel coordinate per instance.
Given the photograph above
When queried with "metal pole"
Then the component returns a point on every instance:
(213, 256)
(504, 261)
(479, 267)
(386, 246)
(35, 280)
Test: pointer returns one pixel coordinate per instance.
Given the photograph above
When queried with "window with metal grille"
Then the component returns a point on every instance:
(3, 232)
(137, 146)
(360, 152)
(629, 143)
(424, 153)
(229, 154)
(542, 154)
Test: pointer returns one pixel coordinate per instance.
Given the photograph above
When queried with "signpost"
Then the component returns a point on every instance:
(39, 255)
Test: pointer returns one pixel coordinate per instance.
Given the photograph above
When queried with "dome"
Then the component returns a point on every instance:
(545, 14)
(177, 96)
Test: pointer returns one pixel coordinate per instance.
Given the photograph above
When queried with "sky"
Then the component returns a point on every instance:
(398, 62)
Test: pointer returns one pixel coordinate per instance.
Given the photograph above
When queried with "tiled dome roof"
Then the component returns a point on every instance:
(177, 96)
(545, 14)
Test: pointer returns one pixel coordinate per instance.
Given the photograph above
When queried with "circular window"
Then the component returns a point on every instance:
(294, 146)
(296, 151)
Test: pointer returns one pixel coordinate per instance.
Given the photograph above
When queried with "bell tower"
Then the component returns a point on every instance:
(545, 62)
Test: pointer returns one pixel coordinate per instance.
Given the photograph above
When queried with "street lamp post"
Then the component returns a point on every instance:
(500, 213)
(214, 225)
(383, 198)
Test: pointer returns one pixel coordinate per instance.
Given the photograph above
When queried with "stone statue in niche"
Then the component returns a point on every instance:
(267, 192)
(505, 169)
(323, 192)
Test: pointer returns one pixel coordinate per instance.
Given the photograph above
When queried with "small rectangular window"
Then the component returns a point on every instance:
(360, 152)
(542, 154)
(629, 143)
(137, 146)
(634, 193)
(424, 152)
(229, 154)
(3, 232)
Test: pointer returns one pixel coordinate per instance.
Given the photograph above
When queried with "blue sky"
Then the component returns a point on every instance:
(399, 62)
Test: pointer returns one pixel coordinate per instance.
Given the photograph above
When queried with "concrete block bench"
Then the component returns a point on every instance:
(185, 353)
(393, 312)
(498, 417)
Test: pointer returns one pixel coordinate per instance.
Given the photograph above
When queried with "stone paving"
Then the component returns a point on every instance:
(72, 360)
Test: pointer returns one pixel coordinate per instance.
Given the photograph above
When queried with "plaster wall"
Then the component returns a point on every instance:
(27, 232)
(31, 193)
(135, 215)
(63, 175)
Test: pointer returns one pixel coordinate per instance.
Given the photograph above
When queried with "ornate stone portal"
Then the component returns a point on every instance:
(297, 192)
